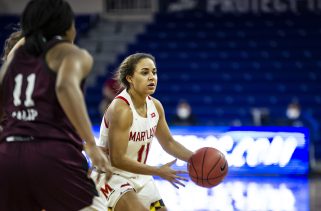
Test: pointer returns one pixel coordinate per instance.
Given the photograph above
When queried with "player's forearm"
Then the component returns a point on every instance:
(177, 150)
(72, 101)
(126, 164)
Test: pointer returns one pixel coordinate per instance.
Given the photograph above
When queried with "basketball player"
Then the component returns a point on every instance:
(10, 43)
(14, 41)
(127, 130)
(41, 160)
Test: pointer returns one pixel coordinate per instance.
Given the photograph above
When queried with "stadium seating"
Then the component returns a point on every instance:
(225, 65)
(10, 23)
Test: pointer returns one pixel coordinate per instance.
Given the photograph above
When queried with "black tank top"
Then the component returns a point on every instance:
(30, 103)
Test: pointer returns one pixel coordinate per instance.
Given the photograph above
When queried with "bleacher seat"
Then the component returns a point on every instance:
(239, 61)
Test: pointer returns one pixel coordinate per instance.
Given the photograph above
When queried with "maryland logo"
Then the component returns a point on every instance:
(124, 185)
(107, 191)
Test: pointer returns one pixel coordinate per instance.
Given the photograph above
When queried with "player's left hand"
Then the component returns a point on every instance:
(171, 175)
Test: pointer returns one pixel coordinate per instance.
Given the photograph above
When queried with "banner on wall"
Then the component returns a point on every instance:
(249, 150)
(242, 6)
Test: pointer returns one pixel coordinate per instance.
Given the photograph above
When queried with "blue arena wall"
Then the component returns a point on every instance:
(249, 150)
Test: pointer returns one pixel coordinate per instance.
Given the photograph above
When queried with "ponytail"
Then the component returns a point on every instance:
(35, 43)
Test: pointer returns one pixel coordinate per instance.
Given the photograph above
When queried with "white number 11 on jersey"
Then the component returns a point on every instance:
(29, 90)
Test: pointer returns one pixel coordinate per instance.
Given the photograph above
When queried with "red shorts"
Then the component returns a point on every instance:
(48, 175)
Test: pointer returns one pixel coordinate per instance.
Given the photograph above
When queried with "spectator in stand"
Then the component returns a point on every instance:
(184, 115)
(294, 115)
(109, 91)
(261, 116)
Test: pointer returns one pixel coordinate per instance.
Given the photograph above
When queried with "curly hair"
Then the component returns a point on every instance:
(10, 43)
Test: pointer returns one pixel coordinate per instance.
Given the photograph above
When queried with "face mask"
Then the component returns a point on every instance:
(292, 113)
(183, 113)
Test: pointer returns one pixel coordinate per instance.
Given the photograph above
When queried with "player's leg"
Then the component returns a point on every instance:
(119, 193)
(129, 201)
(150, 196)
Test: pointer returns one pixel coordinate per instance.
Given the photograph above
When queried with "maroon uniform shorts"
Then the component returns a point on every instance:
(50, 175)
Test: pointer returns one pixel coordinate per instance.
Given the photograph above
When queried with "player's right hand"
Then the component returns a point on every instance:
(166, 172)
(99, 161)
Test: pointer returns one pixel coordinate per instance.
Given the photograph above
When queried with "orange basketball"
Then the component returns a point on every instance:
(207, 167)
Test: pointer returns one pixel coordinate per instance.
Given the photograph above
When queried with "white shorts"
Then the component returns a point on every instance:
(118, 185)
(98, 205)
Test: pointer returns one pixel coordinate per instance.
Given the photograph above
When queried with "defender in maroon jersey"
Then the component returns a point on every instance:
(41, 142)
